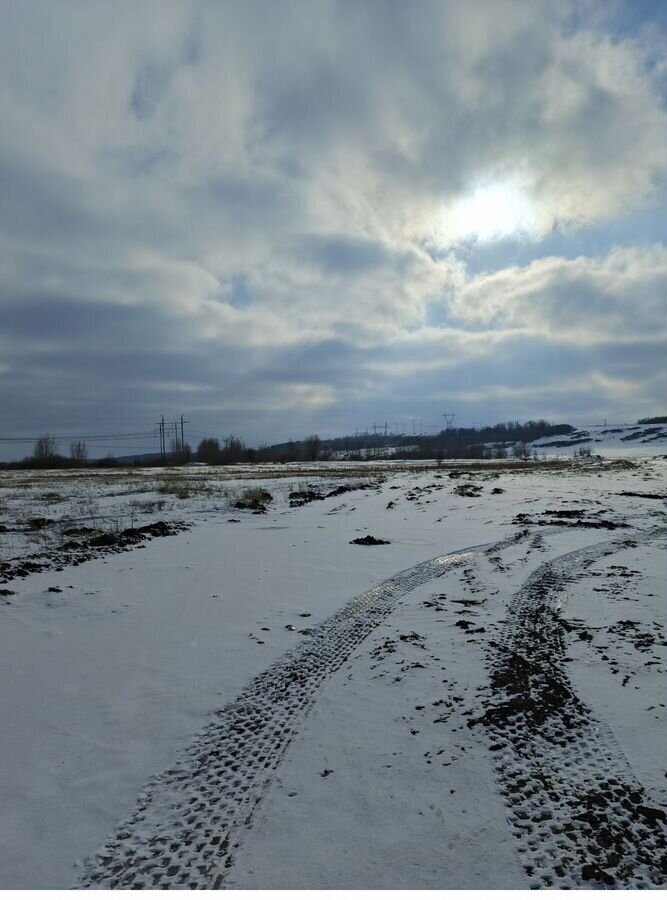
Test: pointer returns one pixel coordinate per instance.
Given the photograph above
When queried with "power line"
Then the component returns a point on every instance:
(138, 435)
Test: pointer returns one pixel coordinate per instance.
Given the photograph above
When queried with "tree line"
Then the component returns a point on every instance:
(454, 443)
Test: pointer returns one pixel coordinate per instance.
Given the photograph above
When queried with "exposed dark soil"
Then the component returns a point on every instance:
(650, 433)
(468, 490)
(38, 523)
(583, 440)
(369, 541)
(608, 833)
(643, 495)
(568, 518)
(301, 498)
(73, 553)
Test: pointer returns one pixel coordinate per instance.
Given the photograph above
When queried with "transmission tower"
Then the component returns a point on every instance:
(449, 419)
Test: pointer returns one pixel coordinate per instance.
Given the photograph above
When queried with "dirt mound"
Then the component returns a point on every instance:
(369, 541)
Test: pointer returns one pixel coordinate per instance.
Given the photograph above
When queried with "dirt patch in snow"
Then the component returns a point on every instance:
(568, 518)
(369, 541)
(76, 552)
(301, 498)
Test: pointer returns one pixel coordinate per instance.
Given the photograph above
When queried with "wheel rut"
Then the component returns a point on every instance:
(189, 820)
(579, 813)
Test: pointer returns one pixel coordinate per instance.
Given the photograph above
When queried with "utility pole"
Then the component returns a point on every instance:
(183, 422)
(160, 426)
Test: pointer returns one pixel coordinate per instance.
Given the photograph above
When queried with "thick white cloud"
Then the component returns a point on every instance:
(584, 300)
(246, 181)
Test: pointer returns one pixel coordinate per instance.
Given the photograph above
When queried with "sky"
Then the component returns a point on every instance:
(279, 218)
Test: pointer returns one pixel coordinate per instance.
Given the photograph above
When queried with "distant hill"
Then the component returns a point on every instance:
(134, 459)
(622, 440)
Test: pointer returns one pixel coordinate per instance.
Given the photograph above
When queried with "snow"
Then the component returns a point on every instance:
(629, 441)
(404, 796)
(107, 680)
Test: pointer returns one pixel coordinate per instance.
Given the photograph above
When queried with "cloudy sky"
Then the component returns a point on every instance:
(283, 217)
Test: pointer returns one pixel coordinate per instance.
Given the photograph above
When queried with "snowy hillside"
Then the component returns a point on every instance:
(608, 440)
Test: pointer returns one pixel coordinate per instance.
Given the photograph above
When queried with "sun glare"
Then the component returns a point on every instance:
(492, 211)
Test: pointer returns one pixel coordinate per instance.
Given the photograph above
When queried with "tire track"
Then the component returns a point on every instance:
(188, 821)
(575, 805)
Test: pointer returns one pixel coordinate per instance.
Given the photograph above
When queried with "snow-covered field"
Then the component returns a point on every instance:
(256, 702)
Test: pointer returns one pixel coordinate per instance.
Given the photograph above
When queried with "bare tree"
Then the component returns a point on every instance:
(312, 446)
(78, 451)
(233, 449)
(45, 450)
(180, 453)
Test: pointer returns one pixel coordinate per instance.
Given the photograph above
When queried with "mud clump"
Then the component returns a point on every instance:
(369, 541)
(468, 490)
(412, 637)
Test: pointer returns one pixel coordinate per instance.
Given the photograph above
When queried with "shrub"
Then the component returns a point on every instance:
(254, 498)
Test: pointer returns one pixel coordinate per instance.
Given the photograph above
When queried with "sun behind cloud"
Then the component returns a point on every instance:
(490, 211)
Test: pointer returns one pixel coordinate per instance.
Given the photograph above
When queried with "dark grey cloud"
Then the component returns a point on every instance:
(345, 255)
